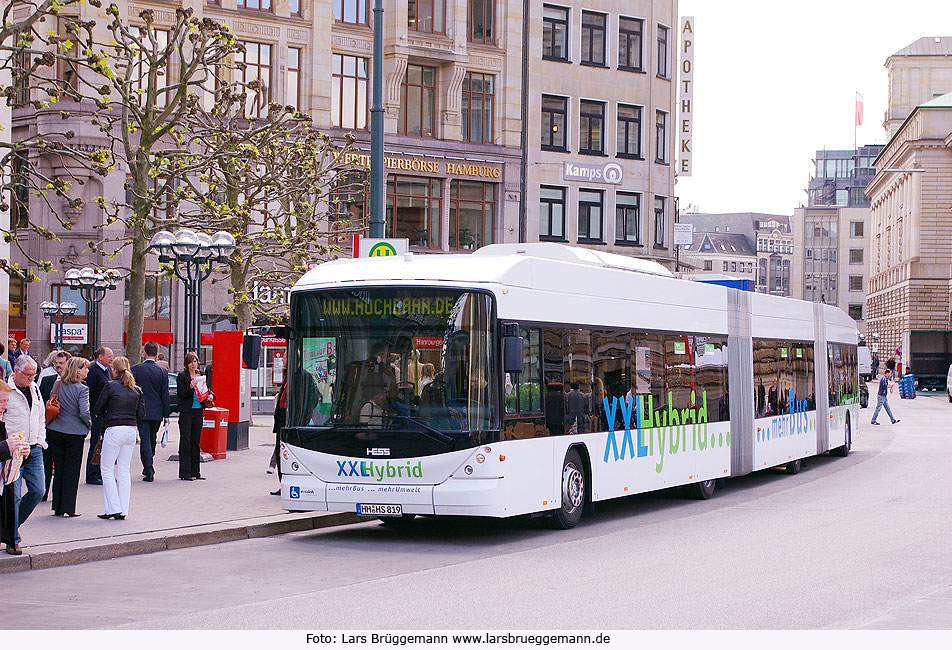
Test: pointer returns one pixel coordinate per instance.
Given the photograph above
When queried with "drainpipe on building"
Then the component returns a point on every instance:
(523, 235)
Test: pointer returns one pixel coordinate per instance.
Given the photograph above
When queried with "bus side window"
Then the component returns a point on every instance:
(552, 376)
(523, 391)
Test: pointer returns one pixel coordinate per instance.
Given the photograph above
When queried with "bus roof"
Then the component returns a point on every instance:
(536, 282)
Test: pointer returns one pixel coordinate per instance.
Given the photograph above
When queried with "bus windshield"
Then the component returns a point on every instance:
(377, 363)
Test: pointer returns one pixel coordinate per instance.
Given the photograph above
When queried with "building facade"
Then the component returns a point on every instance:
(918, 73)
(769, 236)
(830, 261)
(911, 239)
(453, 73)
(601, 112)
(841, 176)
(721, 253)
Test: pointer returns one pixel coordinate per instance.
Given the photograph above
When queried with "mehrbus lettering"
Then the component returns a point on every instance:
(792, 422)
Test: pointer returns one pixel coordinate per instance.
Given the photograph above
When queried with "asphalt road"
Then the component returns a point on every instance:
(852, 542)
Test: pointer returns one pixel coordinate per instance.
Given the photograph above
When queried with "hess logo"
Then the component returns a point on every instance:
(378, 451)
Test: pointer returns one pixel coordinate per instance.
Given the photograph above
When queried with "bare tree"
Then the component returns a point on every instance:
(148, 78)
(279, 186)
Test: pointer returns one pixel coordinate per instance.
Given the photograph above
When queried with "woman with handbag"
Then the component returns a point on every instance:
(194, 397)
(121, 405)
(66, 434)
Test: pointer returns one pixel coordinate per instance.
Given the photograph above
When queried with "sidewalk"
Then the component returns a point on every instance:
(233, 503)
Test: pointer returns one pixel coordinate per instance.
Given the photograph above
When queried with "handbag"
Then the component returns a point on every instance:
(97, 453)
(208, 403)
(53, 406)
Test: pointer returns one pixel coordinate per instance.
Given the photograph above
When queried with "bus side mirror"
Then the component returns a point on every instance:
(512, 348)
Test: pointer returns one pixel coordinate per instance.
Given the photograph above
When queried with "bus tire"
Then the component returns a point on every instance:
(793, 467)
(572, 493)
(844, 451)
(702, 490)
(403, 521)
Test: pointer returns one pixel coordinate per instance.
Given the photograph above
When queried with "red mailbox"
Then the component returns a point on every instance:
(215, 432)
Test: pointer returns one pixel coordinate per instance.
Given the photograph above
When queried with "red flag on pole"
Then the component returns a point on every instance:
(859, 110)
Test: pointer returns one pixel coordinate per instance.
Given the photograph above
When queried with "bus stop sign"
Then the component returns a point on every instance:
(382, 247)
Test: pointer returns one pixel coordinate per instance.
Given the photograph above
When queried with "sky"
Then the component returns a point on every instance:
(773, 86)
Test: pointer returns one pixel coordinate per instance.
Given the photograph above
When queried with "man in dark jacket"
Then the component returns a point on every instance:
(100, 374)
(46, 390)
(154, 382)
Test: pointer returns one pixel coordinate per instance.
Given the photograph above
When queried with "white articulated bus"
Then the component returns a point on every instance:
(541, 378)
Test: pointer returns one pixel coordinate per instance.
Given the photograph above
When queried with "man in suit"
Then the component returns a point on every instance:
(578, 408)
(100, 374)
(154, 382)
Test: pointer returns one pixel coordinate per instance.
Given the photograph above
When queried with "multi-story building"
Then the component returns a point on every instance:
(453, 95)
(722, 253)
(600, 120)
(910, 271)
(842, 175)
(830, 263)
(769, 235)
(918, 73)
(831, 234)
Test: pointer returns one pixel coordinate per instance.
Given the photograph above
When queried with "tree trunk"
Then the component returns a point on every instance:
(140, 181)
(243, 308)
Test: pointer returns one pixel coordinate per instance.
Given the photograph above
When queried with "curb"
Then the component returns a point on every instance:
(167, 542)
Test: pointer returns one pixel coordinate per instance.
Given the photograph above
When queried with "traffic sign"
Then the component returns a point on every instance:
(383, 247)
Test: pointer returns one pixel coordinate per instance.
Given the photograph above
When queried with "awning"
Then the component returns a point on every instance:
(162, 338)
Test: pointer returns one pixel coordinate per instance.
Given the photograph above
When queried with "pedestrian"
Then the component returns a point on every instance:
(47, 368)
(154, 382)
(67, 433)
(26, 414)
(891, 364)
(162, 363)
(12, 351)
(47, 379)
(192, 391)
(22, 349)
(280, 418)
(99, 375)
(577, 409)
(4, 364)
(885, 385)
(121, 406)
(11, 448)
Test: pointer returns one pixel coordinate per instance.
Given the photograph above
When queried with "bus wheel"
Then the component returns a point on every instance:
(793, 467)
(702, 490)
(403, 521)
(573, 492)
(844, 451)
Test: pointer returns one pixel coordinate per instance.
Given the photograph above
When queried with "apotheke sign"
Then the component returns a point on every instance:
(610, 173)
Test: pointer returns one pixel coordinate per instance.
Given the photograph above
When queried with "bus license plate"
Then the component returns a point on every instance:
(379, 509)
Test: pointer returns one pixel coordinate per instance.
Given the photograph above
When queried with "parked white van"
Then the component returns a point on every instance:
(864, 363)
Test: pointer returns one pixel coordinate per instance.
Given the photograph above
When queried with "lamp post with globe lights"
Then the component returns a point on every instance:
(58, 312)
(191, 255)
(92, 285)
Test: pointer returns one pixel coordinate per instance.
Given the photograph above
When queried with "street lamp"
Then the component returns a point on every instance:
(92, 285)
(191, 255)
(57, 313)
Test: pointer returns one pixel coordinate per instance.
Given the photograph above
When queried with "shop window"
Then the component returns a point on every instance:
(472, 209)
(414, 210)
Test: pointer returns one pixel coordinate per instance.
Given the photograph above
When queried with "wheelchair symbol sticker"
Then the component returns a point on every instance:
(294, 492)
